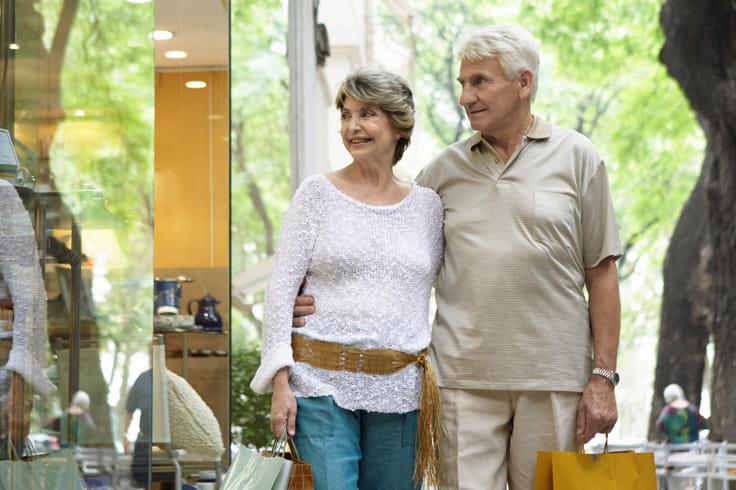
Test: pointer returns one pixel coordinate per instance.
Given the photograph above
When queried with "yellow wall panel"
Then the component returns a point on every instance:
(191, 187)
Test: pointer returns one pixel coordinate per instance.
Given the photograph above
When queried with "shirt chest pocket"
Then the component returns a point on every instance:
(555, 218)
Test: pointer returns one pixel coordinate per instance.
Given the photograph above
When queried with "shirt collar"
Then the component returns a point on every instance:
(540, 130)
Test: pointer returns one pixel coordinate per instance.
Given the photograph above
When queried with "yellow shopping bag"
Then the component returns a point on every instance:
(560, 470)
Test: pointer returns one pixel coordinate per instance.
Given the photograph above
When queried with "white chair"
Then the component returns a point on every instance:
(685, 465)
(721, 466)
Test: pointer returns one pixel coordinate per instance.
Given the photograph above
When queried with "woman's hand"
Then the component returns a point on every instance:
(283, 404)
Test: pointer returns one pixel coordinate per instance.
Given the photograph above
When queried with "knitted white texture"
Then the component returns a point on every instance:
(371, 270)
(21, 282)
(192, 423)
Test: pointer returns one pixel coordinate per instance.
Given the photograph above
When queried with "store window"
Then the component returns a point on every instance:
(192, 228)
(125, 150)
(77, 98)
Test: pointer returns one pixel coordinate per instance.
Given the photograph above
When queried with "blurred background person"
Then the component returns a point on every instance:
(75, 422)
(680, 421)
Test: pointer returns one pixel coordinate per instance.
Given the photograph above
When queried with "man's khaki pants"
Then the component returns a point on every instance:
(493, 436)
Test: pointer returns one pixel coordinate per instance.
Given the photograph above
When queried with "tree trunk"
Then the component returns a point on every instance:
(687, 315)
(700, 53)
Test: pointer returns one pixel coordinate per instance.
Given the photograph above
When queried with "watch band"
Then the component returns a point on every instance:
(611, 376)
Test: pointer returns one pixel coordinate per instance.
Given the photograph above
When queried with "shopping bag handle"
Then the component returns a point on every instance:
(13, 453)
(26, 449)
(581, 447)
(292, 448)
(278, 447)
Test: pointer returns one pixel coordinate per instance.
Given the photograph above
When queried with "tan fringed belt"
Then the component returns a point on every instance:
(338, 357)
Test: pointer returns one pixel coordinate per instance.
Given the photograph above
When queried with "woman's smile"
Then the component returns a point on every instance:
(367, 132)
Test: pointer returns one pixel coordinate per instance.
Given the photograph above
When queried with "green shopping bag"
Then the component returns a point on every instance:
(252, 471)
(55, 471)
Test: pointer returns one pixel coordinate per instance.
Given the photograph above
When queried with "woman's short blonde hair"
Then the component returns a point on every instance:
(388, 92)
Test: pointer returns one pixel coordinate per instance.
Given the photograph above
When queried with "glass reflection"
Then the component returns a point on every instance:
(191, 235)
(78, 96)
(100, 117)
(260, 192)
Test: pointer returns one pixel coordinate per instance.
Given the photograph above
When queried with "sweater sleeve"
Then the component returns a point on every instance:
(298, 235)
(21, 274)
(436, 214)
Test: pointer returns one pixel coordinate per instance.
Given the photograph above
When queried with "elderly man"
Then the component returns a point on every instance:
(528, 224)
(524, 361)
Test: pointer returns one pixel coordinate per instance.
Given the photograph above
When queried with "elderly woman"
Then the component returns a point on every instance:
(351, 385)
(680, 421)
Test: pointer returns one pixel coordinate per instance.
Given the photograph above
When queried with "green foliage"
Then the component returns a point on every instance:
(250, 413)
(260, 186)
(104, 147)
(628, 105)
(441, 24)
(112, 39)
(260, 129)
(93, 130)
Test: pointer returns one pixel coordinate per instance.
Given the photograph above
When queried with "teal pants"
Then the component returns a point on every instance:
(356, 449)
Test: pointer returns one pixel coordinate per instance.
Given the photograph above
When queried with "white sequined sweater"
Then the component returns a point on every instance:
(21, 282)
(371, 270)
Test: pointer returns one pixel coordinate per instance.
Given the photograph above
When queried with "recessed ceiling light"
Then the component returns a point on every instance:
(176, 54)
(161, 35)
(13, 46)
(195, 84)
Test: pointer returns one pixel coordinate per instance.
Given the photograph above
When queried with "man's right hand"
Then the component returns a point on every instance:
(303, 306)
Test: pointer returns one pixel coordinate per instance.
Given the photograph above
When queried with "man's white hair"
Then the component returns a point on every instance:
(514, 47)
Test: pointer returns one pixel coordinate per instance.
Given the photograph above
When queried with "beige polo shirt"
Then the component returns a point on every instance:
(511, 313)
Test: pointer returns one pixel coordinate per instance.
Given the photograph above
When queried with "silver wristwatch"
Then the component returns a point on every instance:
(611, 376)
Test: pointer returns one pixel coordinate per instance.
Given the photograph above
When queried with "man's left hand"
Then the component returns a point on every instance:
(597, 409)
